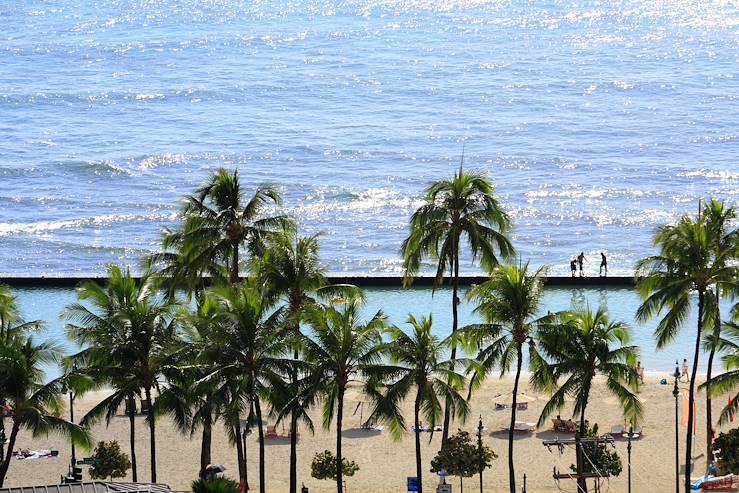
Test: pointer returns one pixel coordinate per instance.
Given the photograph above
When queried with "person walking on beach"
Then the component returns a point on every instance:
(573, 266)
(603, 265)
(580, 259)
(685, 371)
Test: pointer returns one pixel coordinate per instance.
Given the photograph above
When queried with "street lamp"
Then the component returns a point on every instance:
(675, 393)
(628, 452)
(479, 448)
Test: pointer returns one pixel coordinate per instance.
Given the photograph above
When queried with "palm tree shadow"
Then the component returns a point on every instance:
(360, 433)
(277, 441)
(503, 435)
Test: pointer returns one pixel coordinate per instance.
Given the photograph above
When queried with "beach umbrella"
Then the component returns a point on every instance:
(356, 395)
(214, 469)
(507, 398)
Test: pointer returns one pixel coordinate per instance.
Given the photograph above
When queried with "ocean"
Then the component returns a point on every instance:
(596, 121)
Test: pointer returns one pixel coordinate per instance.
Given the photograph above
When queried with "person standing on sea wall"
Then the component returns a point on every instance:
(603, 265)
(580, 260)
(573, 266)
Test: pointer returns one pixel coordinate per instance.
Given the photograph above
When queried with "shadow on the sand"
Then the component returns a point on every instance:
(277, 441)
(553, 435)
(503, 435)
(360, 433)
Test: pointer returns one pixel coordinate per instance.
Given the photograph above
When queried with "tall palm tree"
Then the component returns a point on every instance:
(291, 271)
(454, 210)
(192, 401)
(36, 405)
(726, 248)
(421, 369)
(686, 264)
(508, 303)
(219, 221)
(129, 336)
(582, 346)
(343, 349)
(247, 349)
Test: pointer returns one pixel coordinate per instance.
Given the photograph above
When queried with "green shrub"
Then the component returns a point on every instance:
(215, 484)
(324, 466)
(726, 448)
(109, 461)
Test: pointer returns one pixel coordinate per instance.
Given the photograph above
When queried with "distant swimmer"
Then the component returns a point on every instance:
(580, 260)
(603, 265)
(573, 266)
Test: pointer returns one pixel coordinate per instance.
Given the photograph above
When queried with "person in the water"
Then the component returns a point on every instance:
(580, 260)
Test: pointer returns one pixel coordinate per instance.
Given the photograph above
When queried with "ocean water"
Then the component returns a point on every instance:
(597, 121)
(47, 304)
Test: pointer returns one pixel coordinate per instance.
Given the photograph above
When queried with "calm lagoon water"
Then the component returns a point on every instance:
(596, 120)
(47, 304)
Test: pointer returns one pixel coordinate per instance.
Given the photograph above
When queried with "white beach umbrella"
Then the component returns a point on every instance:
(507, 398)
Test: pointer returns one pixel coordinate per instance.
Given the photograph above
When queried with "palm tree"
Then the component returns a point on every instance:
(464, 206)
(36, 405)
(687, 263)
(726, 247)
(728, 382)
(11, 320)
(247, 350)
(290, 270)
(583, 345)
(343, 349)
(508, 302)
(129, 336)
(423, 370)
(191, 400)
(218, 223)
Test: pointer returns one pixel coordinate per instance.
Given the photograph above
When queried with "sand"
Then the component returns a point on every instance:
(385, 464)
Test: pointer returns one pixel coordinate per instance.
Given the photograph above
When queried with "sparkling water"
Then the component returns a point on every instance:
(597, 121)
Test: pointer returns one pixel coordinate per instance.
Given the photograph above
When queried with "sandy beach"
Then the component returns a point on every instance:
(384, 463)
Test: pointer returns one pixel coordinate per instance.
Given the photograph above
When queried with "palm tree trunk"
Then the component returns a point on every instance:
(132, 437)
(691, 392)
(511, 468)
(419, 470)
(240, 452)
(582, 484)
(709, 414)
(455, 324)
(339, 459)
(234, 274)
(258, 411)
(152, 436)
(205, 447)
(294, 433)
(8, 453)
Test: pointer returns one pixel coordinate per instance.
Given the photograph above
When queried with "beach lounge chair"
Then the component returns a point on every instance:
(500, 407)
(521, 427)
(617, 430)
(271, 432)
(522, 406)
(297, 432)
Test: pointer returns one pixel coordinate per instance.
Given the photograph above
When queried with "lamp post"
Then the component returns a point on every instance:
(675, 393)
(479, 448)
(628, 452)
